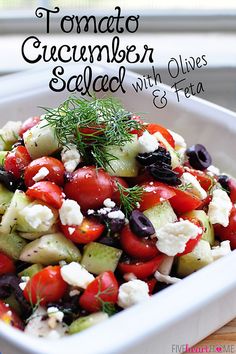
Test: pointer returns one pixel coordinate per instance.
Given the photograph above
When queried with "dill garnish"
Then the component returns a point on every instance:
(129, 197)
(92, 125)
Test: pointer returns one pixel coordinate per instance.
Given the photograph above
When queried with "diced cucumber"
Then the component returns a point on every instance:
(24, 226)
(88, 321)
(2, 157)
(34, 235)
(5, 198)
(31, 271)
(50, 249)
(208, 234)
(125, 165)
(175, 161)
(98, 258)
(160, 214)
(12, 245)
(9, 219)
(9, 134)
(198, 258)
(41, 140)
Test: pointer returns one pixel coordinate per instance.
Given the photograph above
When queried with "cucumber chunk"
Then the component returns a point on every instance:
(208, 233)
(50, 249)
(98, 258)
(88, 321)
(34, 235)
(125, 165)
(2, 157)
(160, 214)
(31, 271)
(5, 198)
(197, 259)
(12, 245)
(175, 161)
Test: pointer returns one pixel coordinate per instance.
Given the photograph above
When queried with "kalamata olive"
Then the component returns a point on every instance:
(198, 157)
(109, 241)
(19, 142)
(224, 182)
(163, 173)
(159, 155)
(8, 179)
(140, 224)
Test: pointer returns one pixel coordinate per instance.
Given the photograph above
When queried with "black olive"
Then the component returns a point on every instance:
(109, 241)
(9, 180)
(224, 182)
(20, 142)
(163, 173)
(148, 158)
(140, 224)
(198, 156)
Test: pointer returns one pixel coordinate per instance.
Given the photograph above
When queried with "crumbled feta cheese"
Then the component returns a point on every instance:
(220, 208)
(43, 172)
(70, 213)
(129, 276)
(55, 316)
(24, 282)
(62, 263)
(71, 230)
(109, 203)
(70, 156)
(166, 265)
(103, 211)
(76, 275)
(138, 205)
(38, 216)
(165, 278)
(132, 292)
(147, 143)
(172, 237)
(194, 185)
(222, 250)
(116, 214)
(74, 292)
(213, 171)
(90, 211)
(180, 144)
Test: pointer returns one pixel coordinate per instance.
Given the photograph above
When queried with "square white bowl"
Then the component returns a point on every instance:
(182, 314)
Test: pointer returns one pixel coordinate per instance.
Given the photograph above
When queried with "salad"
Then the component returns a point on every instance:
(99, 211)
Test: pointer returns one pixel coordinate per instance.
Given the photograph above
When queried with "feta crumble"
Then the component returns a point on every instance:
(163, 278)
(172, 237)
(70, 157)
(43, 172)
(147, 143)
(71, 230)
(76, 275)
(116, 214)
(132, 292)
(55, 316)
(222, 250)
(213, 171)
(220, 208)
(70, 213)
(195, 187)
(180, 144)
(109, 203)
(74, 292)
(38, 216)
(24, 282)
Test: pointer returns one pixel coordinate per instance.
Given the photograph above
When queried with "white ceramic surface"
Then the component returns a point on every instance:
(184, 313)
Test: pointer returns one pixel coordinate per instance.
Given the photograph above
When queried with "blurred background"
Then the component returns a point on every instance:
(187, 28)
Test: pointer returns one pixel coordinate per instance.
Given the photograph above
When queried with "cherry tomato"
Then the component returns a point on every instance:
(151, 285)
(28, 124)
(153, 128)
(17, 160)
(192, 243)
(154, 193)
(229, 232)
(6, 264)
(141, 270)
(204, 180)
(137, 247)
(184, 201)
(55, 167)
(8, 316)
(180, 170)
(116, 194)
(45, 286)
(89, 187)
(232, 188)
(48, 192)
(103, 289)
(139, 132)
(205, 202)
(88, 231)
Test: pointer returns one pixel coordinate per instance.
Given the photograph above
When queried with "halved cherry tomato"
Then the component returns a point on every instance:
(89, 187)
(229, 232)
(48, 192)
(204, 180)
(205, 202)
(151, 285)
(45, 286)
(141, 270)
(137, 247)
(192, 243)
(55, 167)
(88, 231)
(155, 193)
(153, 128)
(232, 188)
(17, 160)
(8, 316)
(116, 194)
(103, 289)
(184, 201)
(28, 124)
(6, 264)
(179, 170)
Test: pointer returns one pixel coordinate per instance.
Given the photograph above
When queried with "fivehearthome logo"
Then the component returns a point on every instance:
(218, 348)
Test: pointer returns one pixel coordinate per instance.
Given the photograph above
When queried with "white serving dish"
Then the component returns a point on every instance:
(184, 313)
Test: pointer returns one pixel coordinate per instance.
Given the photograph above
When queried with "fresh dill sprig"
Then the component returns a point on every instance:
(93, 125)
(108, 308)
(184, 187)
(129, 197)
